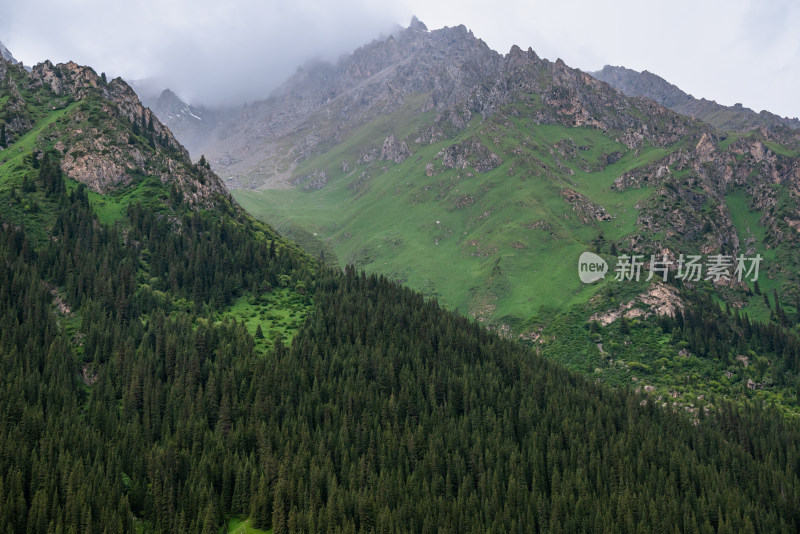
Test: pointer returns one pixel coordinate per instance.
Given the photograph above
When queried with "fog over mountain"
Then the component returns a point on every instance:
(208, 52)
(228, 52)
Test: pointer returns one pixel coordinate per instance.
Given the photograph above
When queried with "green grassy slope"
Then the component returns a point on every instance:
(499, 245)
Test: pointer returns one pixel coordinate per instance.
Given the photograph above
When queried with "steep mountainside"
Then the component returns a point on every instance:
(733, 118)
(486, 200)
(508, 167)
(323, 103)
(103, 135)
(172, 365)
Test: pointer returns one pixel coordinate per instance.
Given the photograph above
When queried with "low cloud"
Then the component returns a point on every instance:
(225, 52)
(209, 52)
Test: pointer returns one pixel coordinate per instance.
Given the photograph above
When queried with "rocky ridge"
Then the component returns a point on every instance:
(447, 72)
(648, 85)
(689, 204)
(317, 107)
(106, 138)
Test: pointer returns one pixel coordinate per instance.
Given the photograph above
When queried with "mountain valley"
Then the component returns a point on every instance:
(359, 308)
(479, 179)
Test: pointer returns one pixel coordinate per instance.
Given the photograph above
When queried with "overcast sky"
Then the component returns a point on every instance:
(212, 51)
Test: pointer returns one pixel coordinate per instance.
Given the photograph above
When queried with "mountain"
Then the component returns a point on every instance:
(172, 365)
(427, 150)
(480, 180)
(105, 146)
(190, 124)
(6, 54)
(733, 118)
(262, 142)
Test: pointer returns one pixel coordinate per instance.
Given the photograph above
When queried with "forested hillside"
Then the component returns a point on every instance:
(169, 363)
(385, 412)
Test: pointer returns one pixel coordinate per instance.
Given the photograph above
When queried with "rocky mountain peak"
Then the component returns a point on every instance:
(66, 78)
(6, 54)
(80, 82)
(173, 110)
(644, 84)
(417, 25)
(187, 121)
(168, 98)
(377, 78)
(515, 51)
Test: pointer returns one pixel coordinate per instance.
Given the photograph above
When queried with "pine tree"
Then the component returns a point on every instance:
(261, 505)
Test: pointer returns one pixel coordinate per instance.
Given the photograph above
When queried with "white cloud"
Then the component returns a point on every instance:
(209, 51)
(731, 51)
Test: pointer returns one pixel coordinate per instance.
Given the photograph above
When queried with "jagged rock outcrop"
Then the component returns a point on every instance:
(15, 119)
(469, 153)
(368, 155)
(587, 211)
(394, 150)
(654, 173)
(689, 207)
(312, 182)
(106, 138)
(659, 299)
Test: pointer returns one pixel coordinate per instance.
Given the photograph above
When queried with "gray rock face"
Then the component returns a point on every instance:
(470, 153)
(395, 150)
(644, 84)
(312, 182)
(330, 100)
(647, 85)
(587, 211)
(188, 123)
(175, 110)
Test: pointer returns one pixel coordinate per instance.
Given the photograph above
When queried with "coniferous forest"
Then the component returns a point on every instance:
(385, 413)
(137, 396)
